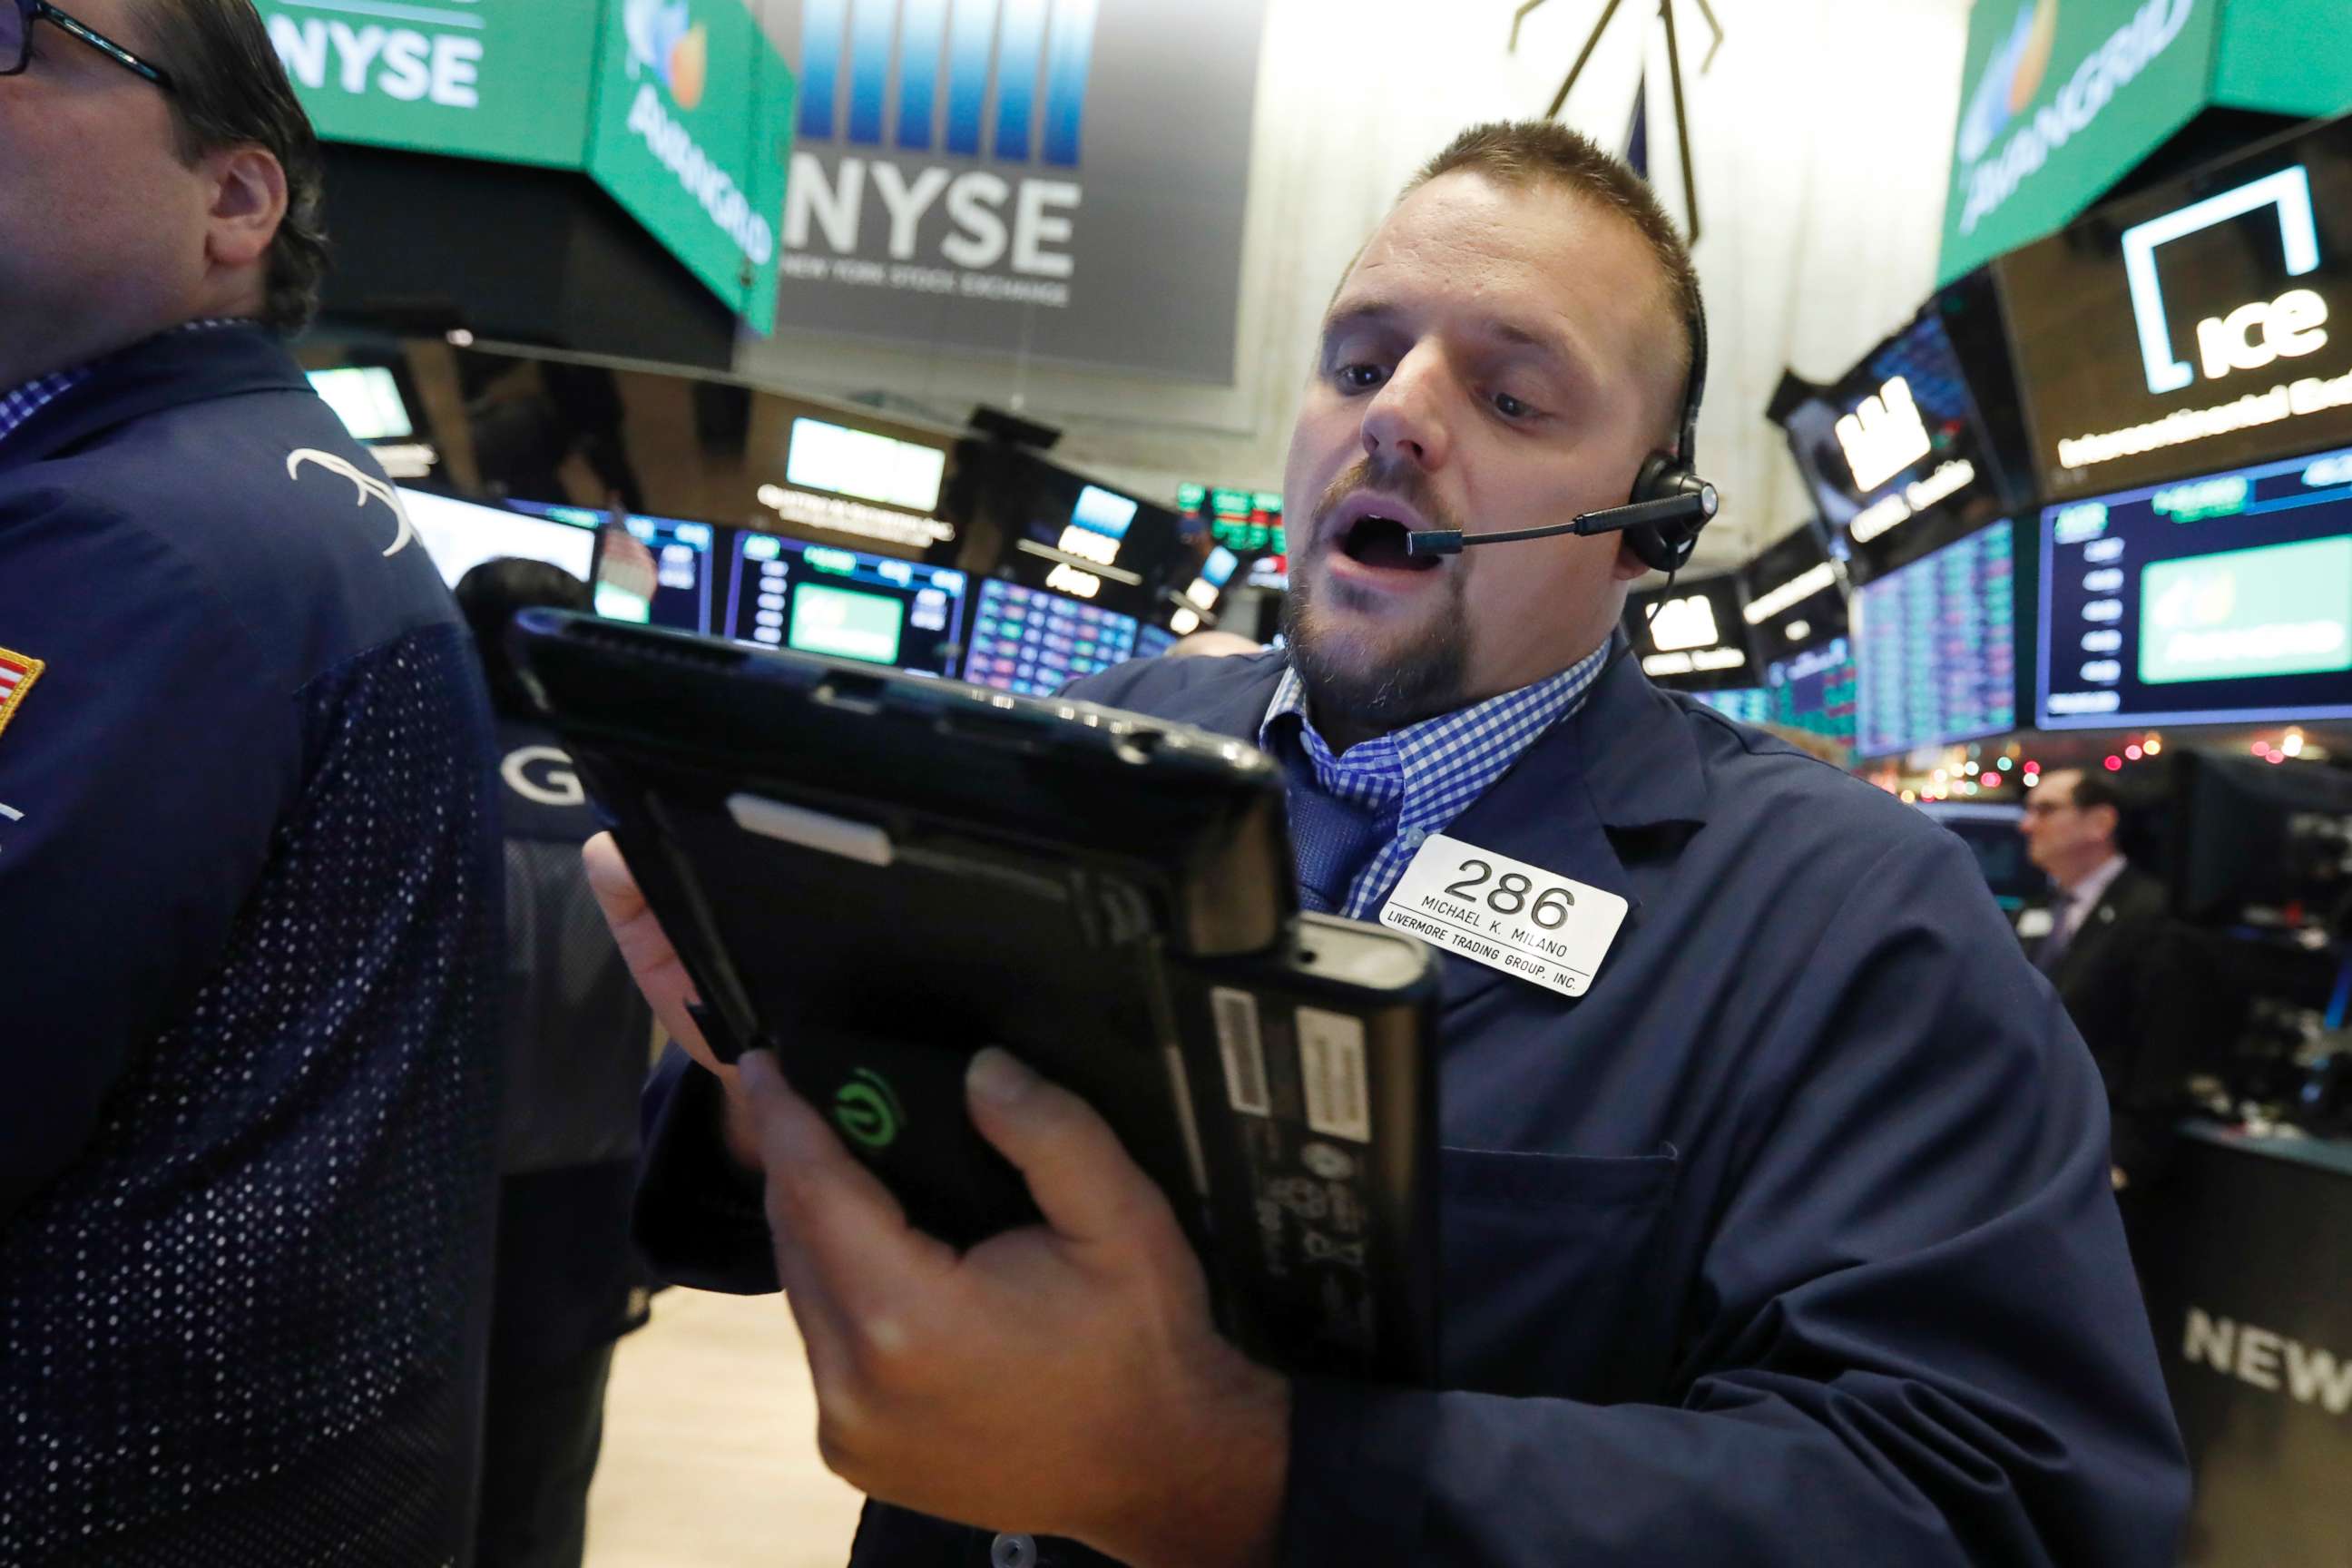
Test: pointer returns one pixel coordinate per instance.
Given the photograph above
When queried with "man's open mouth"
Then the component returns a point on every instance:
(1380, 541)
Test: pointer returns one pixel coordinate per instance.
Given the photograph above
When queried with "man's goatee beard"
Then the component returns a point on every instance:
(1423, 682)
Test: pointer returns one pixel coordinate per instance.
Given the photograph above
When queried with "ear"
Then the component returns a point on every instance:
(248, 202)
(1627, 566)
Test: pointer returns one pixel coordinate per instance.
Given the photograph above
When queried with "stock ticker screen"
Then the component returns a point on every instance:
(1032, 643)
(2222, 599)
(1812, 691)
(845, 603)
(657, 571)
(1935, 647)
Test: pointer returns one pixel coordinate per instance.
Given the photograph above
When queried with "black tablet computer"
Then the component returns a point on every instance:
(875, 875)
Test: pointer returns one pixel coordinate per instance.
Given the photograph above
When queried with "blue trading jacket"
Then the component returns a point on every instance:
(1789, 1243)
(248, 975)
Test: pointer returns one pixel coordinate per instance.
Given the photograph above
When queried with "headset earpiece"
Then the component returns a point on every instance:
(1667, 475)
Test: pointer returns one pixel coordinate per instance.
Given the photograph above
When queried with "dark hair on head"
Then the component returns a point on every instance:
(2092, 790)
(490, 595)
(230, 90)
(1517, 153)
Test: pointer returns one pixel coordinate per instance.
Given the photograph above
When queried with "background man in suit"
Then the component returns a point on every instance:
(2108, 921)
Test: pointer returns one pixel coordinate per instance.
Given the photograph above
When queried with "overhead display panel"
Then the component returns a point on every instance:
(1811, 690)
(1936, 648)
(2203, 324)
(1692, 635)
(1794, 595)
(2223, 598)
(1898, 454)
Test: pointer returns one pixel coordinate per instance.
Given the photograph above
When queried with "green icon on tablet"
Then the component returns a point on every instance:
(867, 1111)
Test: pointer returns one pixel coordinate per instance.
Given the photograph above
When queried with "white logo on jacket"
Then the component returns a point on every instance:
(370, 489)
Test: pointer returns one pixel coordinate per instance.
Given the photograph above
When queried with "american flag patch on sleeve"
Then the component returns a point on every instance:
(18, 673)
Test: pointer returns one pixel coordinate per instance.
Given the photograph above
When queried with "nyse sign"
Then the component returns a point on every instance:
(509, 80)
(1062, 178)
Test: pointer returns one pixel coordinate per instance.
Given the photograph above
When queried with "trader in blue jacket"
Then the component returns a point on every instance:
(1787, 1242)
(248, 876)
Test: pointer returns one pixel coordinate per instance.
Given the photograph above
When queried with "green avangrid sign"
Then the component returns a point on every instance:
(692, 134)
(2060, 98)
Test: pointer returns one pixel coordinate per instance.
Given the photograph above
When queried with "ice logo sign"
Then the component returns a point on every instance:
(2254, 334)
(664, 39)
(993, 53)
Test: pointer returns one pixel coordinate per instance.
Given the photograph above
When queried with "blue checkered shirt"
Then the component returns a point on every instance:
(1404, 785)
(19, 404)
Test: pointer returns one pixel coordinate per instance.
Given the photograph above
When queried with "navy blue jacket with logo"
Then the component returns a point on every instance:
(249, 980)
(1790, 1243)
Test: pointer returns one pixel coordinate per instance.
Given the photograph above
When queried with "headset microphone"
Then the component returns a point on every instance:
(1692, 511)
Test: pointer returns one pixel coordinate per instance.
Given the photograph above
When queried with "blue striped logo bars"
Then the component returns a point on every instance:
(993, 54)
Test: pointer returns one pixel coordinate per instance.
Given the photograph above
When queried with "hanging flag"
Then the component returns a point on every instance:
(1637, 129)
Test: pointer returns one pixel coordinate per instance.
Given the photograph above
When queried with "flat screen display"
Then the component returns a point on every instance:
(460, 535)
(2222, 599)
(1247, 522)
(1935, 647)
(1793, 594)
(1033, 644)
(865, 464)
(367, 399)
(1069, 536)
(844, 603)
(660, 570)
(1896, 453)
(1693, 636)
(1992, 834)
(2199, 325)
(1812, 691)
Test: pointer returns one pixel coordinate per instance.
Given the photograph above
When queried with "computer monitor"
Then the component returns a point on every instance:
(1811, 690)
(2261, 844)
(1692, 635)
(1935, 647)
(843, 604)
(1071, 536)
(2224, 599)
(1151, 641)
(866, 465)
(1793, 594)
(460, 535)
(1032, 643)
(366, 398)
(662, 571)
(1746, 704)
(1992, 836)
(1896, 453)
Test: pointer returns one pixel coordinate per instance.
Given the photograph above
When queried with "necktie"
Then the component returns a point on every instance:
(1331, 840)
(2062, 935)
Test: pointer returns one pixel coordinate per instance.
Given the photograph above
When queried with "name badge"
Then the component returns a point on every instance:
(1506, 914)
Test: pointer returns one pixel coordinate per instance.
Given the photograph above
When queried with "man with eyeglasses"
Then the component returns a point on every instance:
(2102, 952)
(248, 884)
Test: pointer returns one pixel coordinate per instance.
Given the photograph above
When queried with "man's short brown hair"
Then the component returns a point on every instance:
(1518, 152)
